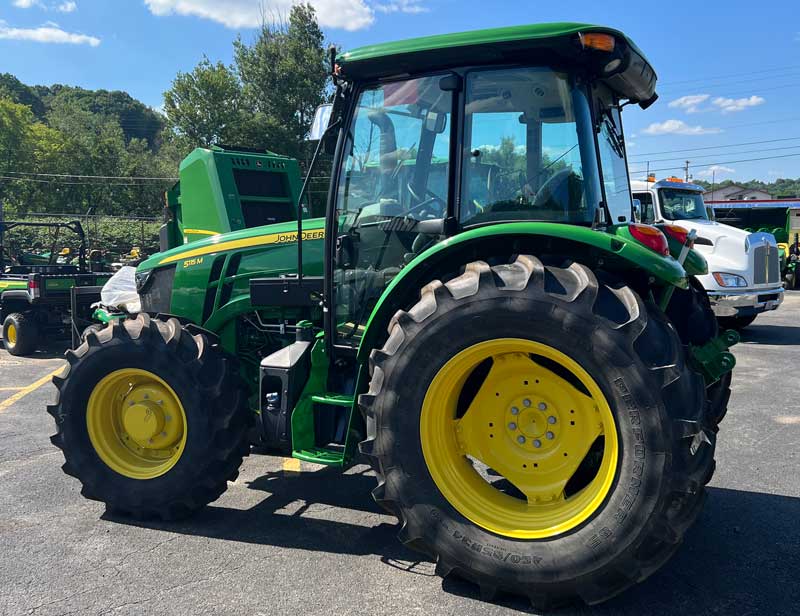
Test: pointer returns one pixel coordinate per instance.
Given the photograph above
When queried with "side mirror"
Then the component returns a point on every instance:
(637, 210)
(322, 118)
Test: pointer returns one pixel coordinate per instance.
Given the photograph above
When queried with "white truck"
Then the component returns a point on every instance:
(744, 277)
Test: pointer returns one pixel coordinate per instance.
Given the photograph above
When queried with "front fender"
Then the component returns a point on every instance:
(499, 239)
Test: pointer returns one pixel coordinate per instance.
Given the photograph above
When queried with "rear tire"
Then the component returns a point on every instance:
(211, 403)
(20, 334)
(630, 350)
(737, 323)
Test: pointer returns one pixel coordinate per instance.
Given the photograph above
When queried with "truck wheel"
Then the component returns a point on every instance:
(737, 323)
(20, 334)
(538, 431)
(151, 418)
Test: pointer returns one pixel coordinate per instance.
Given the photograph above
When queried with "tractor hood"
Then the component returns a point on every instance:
(245, 240)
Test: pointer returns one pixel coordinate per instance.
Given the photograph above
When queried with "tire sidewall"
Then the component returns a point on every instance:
(607, 354)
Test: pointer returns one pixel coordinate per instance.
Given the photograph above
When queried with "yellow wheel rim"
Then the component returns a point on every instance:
(136, 423)
(534, 419)
(11, 333)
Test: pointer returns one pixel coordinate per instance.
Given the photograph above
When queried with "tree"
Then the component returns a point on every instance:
(204, 106)
(284, 79)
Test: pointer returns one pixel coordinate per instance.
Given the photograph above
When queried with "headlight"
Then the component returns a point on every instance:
(729, 280)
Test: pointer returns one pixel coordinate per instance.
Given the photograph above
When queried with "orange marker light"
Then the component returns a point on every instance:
(651, 237)
(597, 41)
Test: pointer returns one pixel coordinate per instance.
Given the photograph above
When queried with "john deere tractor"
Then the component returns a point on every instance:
(535, 379)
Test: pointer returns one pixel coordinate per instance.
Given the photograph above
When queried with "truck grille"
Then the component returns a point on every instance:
(767, 264)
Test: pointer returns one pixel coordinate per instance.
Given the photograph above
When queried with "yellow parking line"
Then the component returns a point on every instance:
(291, 465)
(24, 391)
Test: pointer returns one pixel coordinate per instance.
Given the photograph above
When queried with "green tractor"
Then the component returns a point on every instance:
(535, 379)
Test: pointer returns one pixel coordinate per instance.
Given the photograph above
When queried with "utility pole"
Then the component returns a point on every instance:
(686, 174)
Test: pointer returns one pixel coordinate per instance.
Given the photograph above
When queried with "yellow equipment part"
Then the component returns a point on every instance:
(136, 423)
(529, 423)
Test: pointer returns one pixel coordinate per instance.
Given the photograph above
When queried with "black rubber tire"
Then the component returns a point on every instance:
(632, 352)
(737, 323)
(27, 334)
(94, 327)
(691, 313)
(208, 385)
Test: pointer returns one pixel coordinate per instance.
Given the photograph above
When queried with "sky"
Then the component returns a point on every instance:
(729, 72)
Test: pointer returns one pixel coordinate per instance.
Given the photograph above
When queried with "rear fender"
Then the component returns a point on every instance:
(589, 246)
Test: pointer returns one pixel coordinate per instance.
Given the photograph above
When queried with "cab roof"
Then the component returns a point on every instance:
(547, 41)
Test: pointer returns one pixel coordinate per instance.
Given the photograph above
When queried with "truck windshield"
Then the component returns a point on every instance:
(682, 204)
(525, 150)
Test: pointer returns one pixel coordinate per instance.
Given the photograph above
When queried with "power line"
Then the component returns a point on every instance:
(726, 126)
(65, 183)
(661, 160)
(731, 75)
(710, 83)
(95, 177)
(721, 162)
(714, 147)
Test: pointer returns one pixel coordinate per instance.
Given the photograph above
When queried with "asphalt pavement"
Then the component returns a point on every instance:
(292, 538)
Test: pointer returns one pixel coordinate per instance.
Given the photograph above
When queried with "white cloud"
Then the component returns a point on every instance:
(731, 105)
(47, 33)
(678, 127)
(26, 4)
(67, 7)
(343, 14)
(690, 103)
(715, 171)
(413, 7)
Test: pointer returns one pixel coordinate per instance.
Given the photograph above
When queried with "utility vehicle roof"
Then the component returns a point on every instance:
(635, 79)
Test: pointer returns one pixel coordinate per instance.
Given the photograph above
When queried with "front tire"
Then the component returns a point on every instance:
(151, 418)
(620, 352)
(20, 334)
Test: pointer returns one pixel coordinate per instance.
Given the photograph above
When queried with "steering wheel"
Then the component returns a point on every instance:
(551, 186)
(432, 198)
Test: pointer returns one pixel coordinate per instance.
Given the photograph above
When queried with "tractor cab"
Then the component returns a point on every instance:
(521, 128)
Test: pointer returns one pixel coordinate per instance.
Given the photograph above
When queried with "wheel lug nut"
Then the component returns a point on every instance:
(551, 420)
(163, 434)
(160, 402)
(168, 418)
(131, 403)
(526, 402)
(542, 406)
(512, 426)
(537, 443)
(521, 440)
(550, 436)
(514, 410)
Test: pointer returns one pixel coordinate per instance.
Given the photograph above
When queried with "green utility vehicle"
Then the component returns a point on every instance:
(533, 377)
(35, 296)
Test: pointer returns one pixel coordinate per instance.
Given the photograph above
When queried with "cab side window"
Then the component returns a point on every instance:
(648, 212)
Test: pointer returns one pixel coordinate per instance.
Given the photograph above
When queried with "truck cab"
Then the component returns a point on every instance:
(744, 276)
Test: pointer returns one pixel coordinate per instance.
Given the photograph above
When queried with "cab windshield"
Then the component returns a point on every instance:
(679, 204)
